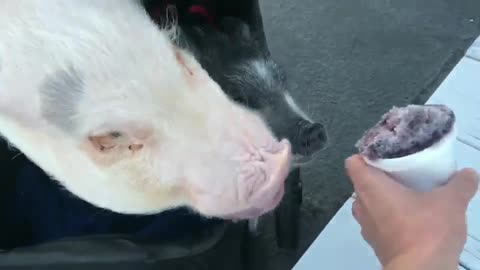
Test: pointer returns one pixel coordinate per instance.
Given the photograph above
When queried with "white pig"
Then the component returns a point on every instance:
(103, 101)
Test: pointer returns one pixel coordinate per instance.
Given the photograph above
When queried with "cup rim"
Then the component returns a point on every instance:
(413, 160)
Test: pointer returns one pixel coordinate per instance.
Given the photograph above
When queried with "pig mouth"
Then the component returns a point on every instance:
(256, 212)
(301, 160)
(262, 190)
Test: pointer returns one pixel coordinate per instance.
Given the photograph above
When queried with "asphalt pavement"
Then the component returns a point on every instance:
(348, 62)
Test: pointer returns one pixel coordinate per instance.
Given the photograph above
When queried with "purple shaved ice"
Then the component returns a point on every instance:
(406, 130)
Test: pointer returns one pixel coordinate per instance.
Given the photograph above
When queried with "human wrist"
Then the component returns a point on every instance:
(423, 259)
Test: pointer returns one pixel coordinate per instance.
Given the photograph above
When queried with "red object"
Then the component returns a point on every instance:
(201, 10)
(158, 10)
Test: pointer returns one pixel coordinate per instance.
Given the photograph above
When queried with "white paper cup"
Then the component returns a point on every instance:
(424, 170)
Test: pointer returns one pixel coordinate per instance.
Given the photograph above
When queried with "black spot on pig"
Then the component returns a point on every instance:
(249, 76)
(60, 94)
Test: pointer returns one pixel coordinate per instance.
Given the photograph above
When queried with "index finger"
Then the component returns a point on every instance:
(372, 185)
(463, 185)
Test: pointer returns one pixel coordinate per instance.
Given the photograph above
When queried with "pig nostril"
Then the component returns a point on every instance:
(312, 138)
(317, 131)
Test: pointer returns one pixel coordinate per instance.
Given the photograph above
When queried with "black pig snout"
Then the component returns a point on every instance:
(311, 137)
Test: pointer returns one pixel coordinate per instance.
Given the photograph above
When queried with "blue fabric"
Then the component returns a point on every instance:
(36, 209)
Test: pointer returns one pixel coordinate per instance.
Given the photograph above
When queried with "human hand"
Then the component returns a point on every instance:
(400, 222)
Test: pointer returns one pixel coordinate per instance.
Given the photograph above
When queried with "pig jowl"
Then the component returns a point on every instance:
(126, 120)
(250, 77)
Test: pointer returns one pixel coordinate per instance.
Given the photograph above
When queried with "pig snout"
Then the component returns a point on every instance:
(311, 138)
(261, 182)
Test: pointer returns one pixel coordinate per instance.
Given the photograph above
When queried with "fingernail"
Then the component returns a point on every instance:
(350, 158)
(477, 177)
(347, 161)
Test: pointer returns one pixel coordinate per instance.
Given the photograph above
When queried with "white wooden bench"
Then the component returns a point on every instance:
(340, 245)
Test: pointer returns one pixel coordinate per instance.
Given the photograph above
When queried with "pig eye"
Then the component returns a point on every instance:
(135, 147)
(239, 99)
(116, 134)
(248, 102)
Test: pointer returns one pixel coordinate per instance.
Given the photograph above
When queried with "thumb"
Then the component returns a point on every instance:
(371, 185)
(463, 184)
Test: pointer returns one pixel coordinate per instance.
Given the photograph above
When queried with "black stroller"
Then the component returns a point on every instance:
(224, 245)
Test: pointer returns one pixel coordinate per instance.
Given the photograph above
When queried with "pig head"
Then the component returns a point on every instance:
(109, 106)
(248, 74)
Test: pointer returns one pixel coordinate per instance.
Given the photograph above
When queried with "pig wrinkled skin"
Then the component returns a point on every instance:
(103, 101)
